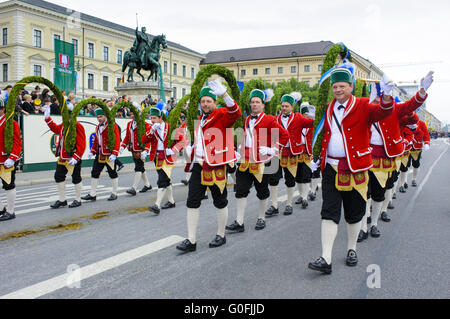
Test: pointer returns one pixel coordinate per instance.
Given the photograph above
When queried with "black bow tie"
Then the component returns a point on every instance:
(287, 116)
(254, 117)
(341, 107)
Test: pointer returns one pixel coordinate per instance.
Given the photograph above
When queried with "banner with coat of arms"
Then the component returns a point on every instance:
(64, 66)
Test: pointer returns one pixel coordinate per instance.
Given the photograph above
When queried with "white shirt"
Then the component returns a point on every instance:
(160, 132)
(199, 153)
(376, 138)
(304, 133)
(336, 146)
(100, 132)
(249, 132)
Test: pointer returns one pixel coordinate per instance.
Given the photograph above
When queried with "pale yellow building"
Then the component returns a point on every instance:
(28, 29)
(275, 64)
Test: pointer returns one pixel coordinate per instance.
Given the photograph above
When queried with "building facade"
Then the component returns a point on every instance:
(29, 28)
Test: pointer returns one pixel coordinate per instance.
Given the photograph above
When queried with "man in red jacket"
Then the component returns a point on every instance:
(164, 157)
(263, 139)
(345, 160)
(68, 161)
(292, 161)
(131, 142)
(421, 142)
(103, 157)
(212, 151)
(8, 165)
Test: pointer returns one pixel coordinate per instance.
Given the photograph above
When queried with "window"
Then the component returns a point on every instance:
(242, 72)
(174, 92)
(90, 81)
(5, 36)
(184, 71)
(175, 71)
(319, 68)
(307, 83)
(37, 70)
(119, 56)
(183, 92)
(192, 73)
(165, 66)
(293, 69)
(75, 46)
(307, 68)
(105, 54)
(105, 83)
(90, 50)
(267, 70)
(280, 69)
(5, 72)
(37, 38)
(118, 81)
(56, 37)
(255, 71)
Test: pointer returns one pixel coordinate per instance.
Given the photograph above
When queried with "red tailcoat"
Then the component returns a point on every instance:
(131, 139)
(295, 126)
(104, 138)
(80, 141)
(17, 142)
(421, 136)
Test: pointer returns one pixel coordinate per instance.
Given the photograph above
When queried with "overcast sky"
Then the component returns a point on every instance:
(387, 32)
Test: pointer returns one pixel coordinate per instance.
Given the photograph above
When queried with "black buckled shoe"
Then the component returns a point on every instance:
(120, 167)
(7, 216)
(406, 185)
(75, 204)
(394, 196)
(402, 190)
(320, 265)
(369, 220)
(185, 182)
(304, 204)
(112, 197)
(374, 232)
(362, 236)
(385, 217)
(391, 205)
(260, 224)
(205, 197)
(272, 211)
(145, 189)
(299, 201)
(3, 212)
(414, 183)
(168, 205)
(235, 227)
(58, 204)
(154, 209)
(89, 197)
(312, 196)
(288, 211)
(187, 246)
(352, 258)
(131, 191)
(218, 241)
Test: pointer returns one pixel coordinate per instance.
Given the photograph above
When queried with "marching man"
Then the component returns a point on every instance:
(8, 165)
(421, 142)
(68, 161)
(103, 157)
(258, 147)
(131, 142)
(345, 160)
(212, 150)
(164, 158)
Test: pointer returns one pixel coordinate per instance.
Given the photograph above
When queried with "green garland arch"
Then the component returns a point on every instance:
(174, 116)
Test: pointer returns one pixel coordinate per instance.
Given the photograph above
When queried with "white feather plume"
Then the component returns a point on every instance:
(269, 95)
(297, 96)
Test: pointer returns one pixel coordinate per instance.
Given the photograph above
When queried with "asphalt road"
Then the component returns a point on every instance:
(120, 250)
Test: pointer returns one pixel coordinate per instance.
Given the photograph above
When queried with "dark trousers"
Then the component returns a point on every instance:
(391, 180)
(354, 203)
(245, 181)
(12, 185)
(404, 168)
(376, 191)
(197, 191)
(139, 165)
(61, 173)
(416, 164)
(163, 179)
(97, 169)
(303, 176)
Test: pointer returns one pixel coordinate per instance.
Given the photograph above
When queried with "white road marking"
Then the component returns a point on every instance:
(56, 283)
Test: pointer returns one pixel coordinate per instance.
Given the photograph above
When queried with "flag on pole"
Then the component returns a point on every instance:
(64, 66)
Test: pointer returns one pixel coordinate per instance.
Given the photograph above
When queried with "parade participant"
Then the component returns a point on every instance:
(421, 142)
(258, 147)
(103, 157)
(345, 159)
(387, 146)
(164, 158)
(292, 161)
(213, 138)
(131, 142)
(68, 161)
(8, 164)
(406, 158)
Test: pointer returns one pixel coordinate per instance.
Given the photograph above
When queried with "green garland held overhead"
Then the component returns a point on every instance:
(174, 116)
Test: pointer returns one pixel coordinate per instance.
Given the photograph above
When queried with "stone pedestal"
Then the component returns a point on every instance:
(138, 91)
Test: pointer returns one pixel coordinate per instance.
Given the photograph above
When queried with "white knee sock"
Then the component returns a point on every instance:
(352, 235)
(415, 172)
(387, 199)
(11, 200)
(274, 196)
(241, 204)
(303, 189)
(145, 179)
(159, 196)
(329, 233)
(222, 218)
(78, 188)
(402, 179)
(262, 209)
(290, 195)
(170, 194)
(94, 184)
(137, 178)
(115, 185)
(376, 211)
(233, 176)
(314, 184)
(367, 215)
(192, 221)
(62, 191)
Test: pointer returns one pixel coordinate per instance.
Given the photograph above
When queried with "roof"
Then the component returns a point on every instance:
(269, 52)
(85, 17)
